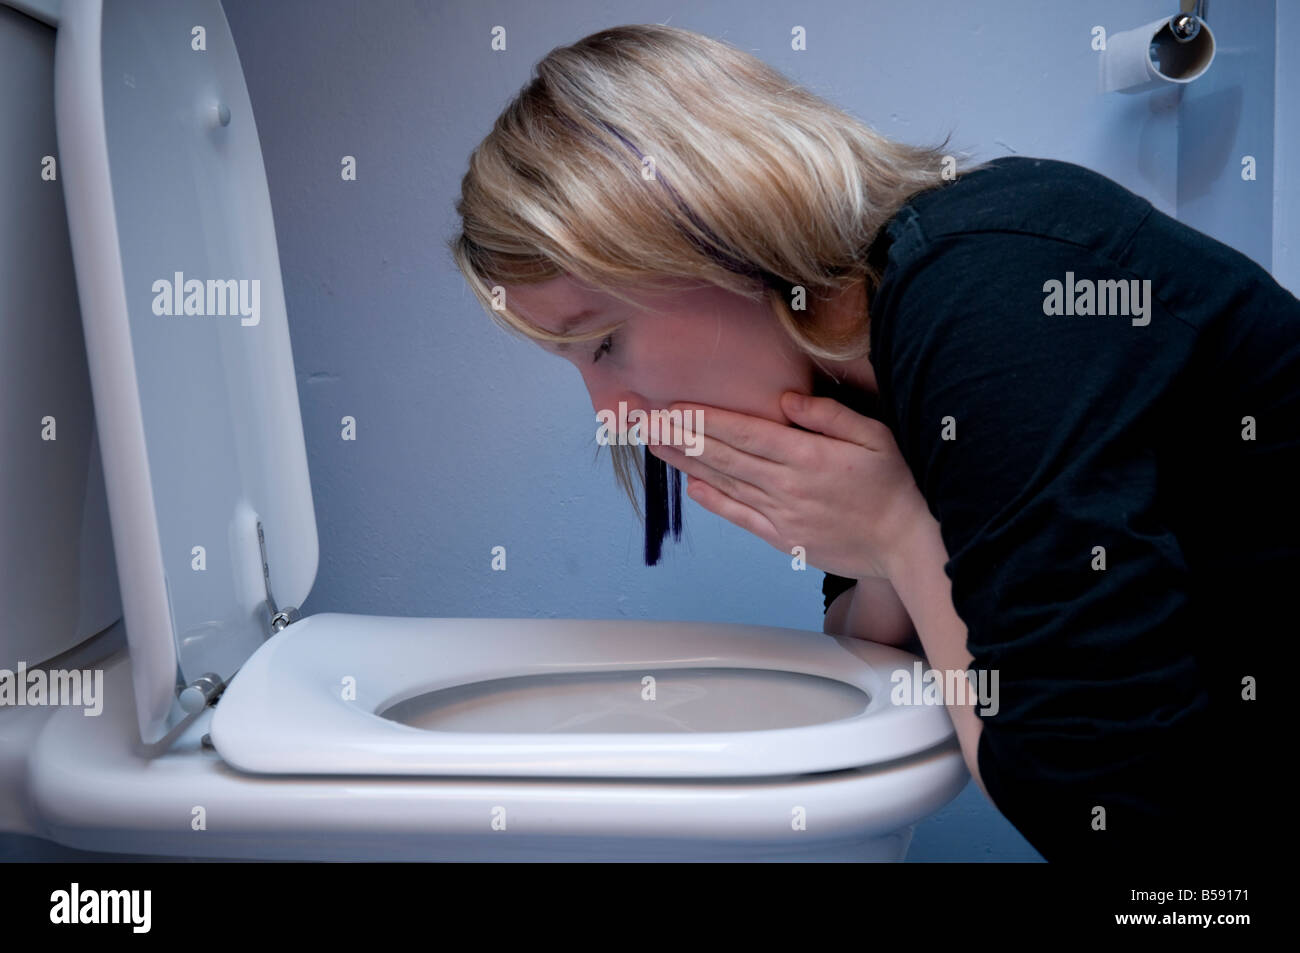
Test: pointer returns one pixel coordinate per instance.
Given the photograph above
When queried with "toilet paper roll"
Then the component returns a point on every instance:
(1149, 57)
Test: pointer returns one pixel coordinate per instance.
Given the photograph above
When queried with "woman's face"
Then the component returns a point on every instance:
(693, 344)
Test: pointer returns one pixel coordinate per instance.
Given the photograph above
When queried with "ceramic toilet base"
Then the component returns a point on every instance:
(91, 787)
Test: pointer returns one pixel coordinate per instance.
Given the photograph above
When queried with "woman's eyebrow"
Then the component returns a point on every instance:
(572, 321)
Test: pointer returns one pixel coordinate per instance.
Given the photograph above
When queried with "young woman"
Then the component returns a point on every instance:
(1050, 431)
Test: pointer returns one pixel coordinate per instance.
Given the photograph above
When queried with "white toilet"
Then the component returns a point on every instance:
(234, 728)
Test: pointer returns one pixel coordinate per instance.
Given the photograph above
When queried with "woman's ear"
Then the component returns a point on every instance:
(842, 311)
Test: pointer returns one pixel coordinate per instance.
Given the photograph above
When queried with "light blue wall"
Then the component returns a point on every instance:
(1225, 117)
(469, 438)
(1286, 146)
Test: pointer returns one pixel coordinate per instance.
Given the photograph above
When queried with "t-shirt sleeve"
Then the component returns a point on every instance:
(1029, 436)
(832, 587)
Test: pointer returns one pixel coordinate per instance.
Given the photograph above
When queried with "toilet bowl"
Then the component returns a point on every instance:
(233, 726)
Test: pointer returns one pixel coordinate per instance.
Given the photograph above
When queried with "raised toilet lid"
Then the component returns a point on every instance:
(198, 417)
(568, 698)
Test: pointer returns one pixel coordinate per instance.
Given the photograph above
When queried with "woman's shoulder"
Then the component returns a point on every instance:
(1050, 198)
(1013, 174)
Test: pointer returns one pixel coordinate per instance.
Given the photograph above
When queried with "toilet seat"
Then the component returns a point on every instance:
(286, 711)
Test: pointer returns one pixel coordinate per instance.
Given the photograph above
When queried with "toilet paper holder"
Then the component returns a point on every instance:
(1171, 51)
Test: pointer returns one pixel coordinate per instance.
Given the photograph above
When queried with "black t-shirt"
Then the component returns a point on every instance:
(1119, 550)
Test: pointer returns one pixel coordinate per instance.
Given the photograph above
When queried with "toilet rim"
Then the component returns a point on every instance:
(284, 712)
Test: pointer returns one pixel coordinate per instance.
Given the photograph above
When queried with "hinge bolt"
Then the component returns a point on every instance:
(200, 692)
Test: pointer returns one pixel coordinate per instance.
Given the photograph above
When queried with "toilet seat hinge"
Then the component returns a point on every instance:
(280, 618)
(204, 691)
(286, 616)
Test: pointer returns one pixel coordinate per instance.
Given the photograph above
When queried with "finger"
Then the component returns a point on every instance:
(831, 418)
(747, 518)
(757, 436)
(722, 458)
(734, 486)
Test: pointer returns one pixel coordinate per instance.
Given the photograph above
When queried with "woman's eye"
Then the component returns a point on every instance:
(605, 347)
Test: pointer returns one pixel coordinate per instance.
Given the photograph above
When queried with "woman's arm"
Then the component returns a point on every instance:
(871, 610)
(882, 610)
(874, 610)
(925, 591)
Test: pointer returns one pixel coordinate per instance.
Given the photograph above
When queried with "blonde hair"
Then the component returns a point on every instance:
(642, 153)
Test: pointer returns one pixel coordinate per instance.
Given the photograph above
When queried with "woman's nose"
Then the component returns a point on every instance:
(610, 401)
(607, 397)
(604, 390)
